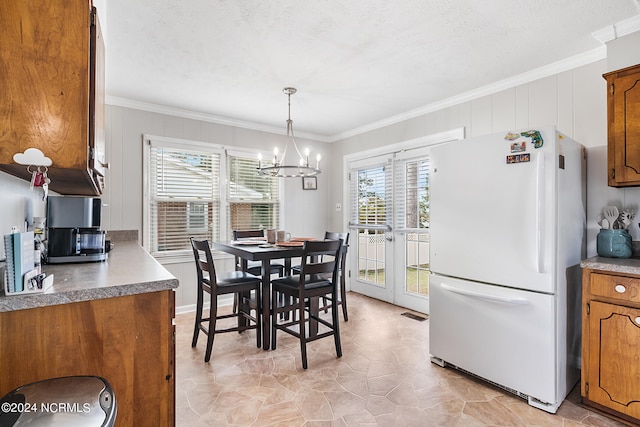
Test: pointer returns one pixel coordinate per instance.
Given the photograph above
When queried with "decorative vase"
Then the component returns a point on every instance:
(614, 243)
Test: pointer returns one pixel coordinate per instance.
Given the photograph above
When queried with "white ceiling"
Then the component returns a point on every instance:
(356, 64)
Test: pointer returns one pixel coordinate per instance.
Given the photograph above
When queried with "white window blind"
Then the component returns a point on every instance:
(254, 200)
(371, 195)
(412, 193)
(183, 195)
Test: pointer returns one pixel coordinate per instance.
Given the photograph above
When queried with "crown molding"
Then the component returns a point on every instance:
(624, 27)
(532, 75)
(620, 29)
(205, 117)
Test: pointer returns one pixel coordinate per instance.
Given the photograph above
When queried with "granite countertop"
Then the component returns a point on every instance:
(129, 270)
(614, 265)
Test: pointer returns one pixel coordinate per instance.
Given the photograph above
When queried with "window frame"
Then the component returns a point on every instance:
(224, 223)
(249, 154)
(150, 141)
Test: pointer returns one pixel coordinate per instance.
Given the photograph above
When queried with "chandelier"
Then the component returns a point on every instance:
(277, 166)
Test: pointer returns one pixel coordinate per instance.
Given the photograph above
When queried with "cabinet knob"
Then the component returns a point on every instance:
(620, 289)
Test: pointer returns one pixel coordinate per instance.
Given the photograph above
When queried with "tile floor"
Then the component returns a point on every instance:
(383, 379)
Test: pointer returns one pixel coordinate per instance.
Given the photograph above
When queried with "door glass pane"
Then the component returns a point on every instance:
(372, 209)
(417, 264)
(371, 256)
(417, 218)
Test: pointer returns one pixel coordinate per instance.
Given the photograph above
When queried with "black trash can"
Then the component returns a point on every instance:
(85, 401)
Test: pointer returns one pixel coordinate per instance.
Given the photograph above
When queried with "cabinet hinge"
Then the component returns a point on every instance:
(612, 89)
(92, 153)
(586, 388)
(613, 173)
(588, 308)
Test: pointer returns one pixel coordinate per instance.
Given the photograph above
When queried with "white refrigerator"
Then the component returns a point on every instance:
(507, 227)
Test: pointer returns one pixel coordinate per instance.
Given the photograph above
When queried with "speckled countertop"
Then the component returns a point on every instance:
(615, 265)
(128, 270)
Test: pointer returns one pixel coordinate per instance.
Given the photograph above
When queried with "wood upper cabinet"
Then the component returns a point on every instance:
(623, 117)
(611, 343)
(52, 91)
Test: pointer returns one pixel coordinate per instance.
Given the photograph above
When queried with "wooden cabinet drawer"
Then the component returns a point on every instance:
(618, 287)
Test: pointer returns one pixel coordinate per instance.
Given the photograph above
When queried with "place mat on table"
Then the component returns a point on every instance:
(290, 244)
(247, 242)
(301, 239)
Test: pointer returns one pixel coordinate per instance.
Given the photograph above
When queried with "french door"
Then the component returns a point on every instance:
(371, 212)
(389, 226)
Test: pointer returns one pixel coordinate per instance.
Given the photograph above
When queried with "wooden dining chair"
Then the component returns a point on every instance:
(239, 283)
(253, 267)
(342, 260)
(319, 259)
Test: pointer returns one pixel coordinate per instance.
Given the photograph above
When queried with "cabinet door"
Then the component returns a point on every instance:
(97, 162)
(624, 127)
(614, 350)
(44, 70)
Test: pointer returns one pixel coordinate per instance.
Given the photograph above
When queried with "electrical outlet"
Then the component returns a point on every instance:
(338, 207)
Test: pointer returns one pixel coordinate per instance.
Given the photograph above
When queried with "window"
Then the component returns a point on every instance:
(182, 196)
(415, 184)
(371, 195)
(254, 200)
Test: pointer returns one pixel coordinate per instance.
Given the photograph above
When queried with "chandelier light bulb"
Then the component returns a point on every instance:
(278, 167)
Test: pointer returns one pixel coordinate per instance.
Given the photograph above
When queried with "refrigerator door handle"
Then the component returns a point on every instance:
(480, 295)
(540, 211)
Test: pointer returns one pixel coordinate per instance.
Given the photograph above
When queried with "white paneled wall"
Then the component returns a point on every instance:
(573, 101)
(305, 213)
(15, 195)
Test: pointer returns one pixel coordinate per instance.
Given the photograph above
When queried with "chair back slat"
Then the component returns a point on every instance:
(200, 248)
(333, 235)
(314, 261)
(245, 234)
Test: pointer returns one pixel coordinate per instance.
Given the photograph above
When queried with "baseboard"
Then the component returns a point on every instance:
(190, 308)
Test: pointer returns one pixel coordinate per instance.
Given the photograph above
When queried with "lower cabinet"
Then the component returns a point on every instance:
(128, 340)
(611, 343)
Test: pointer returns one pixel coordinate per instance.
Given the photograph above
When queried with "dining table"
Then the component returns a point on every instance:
(251, 250)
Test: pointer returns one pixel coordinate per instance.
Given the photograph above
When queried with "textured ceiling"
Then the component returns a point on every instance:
(354, 63)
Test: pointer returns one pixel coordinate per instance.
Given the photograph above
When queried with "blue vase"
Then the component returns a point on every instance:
(614, 243)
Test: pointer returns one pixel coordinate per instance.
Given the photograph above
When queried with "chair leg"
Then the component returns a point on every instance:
(274, 318)
(336, 327)
(324, 303)
(343, 298)
(196, 329)
(258, 320)
(241, 309)
(213, 314)
(303, 332)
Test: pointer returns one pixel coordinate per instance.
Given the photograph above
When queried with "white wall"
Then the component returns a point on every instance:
(623, 52)
(16, 195)
(574, 101)
(305, 213)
